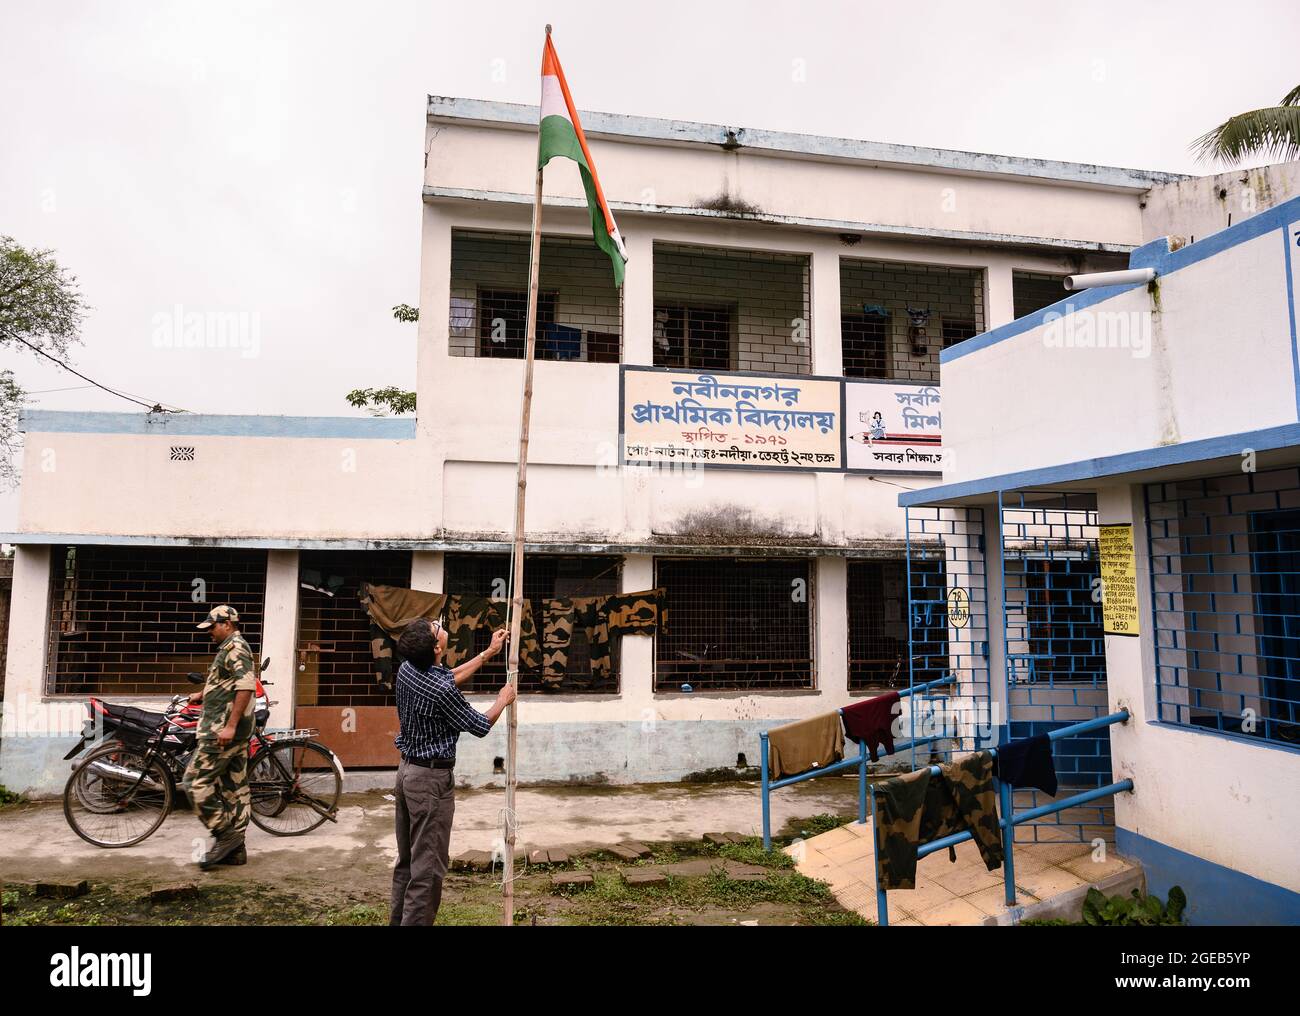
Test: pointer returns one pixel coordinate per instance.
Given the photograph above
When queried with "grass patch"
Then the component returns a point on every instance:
(807, 828)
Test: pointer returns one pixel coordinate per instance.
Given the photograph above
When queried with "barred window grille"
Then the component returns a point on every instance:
(546, 576)
(134, 614)
(1225, 576)
(876, 332)
(1032, 291)
(579, 309)
(337, 667)
(723, 309)
(735, 624)
(878, 637)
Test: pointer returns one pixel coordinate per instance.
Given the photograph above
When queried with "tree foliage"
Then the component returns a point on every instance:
(41, 309)
(394, 400)
(1273, 132)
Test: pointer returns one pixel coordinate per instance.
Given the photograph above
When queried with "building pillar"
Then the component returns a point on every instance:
(31, 732)
(639, 296)
(636, 679)
(999, 302)
(830, 603)
(280, 634)
(427, 570)
(827, 346)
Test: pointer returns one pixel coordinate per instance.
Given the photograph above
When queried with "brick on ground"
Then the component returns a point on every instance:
(62, 890)
(643, 876)
(572, 880)
(638, 848)
(472, 860)
(746, 872)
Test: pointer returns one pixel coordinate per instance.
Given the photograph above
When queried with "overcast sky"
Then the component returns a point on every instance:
(265, 158)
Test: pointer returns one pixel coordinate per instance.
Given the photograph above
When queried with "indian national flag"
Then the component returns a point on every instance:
(560, 133)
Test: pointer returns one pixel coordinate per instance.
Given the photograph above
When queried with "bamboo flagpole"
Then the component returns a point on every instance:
(517, 562)
(559, 133)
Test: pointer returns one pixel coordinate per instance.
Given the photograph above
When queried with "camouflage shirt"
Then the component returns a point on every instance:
(231, 671)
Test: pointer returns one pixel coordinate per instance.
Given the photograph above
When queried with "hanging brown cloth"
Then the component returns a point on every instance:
(808, 744)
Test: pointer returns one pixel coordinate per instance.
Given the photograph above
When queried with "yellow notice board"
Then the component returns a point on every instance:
(1119, 602)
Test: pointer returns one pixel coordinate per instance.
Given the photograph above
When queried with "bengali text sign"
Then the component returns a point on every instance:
(731, 420)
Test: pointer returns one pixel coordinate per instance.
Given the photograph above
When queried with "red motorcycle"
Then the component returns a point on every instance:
(123, 790)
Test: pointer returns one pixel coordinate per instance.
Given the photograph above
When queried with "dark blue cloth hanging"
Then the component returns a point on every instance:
(1028, 763)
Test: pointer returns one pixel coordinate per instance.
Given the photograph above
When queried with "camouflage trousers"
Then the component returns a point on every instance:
(919, 808)
(217, 782)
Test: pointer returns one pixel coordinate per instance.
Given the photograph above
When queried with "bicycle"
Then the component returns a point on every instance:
(124, 789)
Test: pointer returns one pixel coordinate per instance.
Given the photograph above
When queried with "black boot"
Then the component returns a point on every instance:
(227, 843)
(237, 856)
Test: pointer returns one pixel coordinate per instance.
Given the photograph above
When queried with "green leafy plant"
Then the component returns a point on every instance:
(1100, 910)
(391, 400)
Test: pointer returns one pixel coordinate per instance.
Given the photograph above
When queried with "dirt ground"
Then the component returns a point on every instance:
(339, 874)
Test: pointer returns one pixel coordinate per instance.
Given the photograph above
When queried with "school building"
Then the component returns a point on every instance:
(736, 426)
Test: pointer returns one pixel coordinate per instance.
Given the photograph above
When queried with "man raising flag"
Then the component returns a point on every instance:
(560, 134)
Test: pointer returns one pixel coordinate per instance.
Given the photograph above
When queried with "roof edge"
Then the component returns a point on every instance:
(645, 128)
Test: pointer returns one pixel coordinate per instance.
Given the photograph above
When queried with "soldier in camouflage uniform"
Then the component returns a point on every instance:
(919, 808)
(217, 776)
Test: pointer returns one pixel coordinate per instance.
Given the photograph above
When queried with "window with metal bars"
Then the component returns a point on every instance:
(724, 309)
(337, 667)
(129, 627)
(735, 624)
(1031, 291)
(865, 339)
(546, 576)
(697, 338)
(1053, 615)
(877, 606)
(878, 336)
(579, 309)
(1225, 577)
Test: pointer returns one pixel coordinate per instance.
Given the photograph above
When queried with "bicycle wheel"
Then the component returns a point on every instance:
(293, 787)
(114, 800)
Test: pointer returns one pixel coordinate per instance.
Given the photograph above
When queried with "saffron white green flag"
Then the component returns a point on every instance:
(560, 134)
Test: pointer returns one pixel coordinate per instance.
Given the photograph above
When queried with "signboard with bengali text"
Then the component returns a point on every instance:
(891, 427)
(726, 419)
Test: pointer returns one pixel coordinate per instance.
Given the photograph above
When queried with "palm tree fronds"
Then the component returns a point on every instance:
(1292, 98)
(1273, 132)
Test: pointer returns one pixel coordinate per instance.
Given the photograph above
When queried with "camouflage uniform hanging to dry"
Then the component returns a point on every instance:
(600, 617)
(920, 808)
(466, 613)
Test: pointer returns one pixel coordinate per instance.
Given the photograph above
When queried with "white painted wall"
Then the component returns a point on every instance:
(491, 158)
(1196, 208)
(1219, 362)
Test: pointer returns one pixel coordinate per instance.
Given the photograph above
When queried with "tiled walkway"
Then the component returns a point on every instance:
(946, 893)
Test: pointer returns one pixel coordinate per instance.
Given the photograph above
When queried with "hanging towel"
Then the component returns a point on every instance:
(807, 744)
(919, 808)
(872, 721)
(1028, 763)
(391, 609)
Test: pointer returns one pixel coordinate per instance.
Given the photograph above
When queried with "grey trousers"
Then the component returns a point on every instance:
(426, 802)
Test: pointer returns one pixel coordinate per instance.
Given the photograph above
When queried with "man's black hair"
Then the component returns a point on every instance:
(418, 644)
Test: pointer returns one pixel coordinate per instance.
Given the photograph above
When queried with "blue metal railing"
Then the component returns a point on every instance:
(859, 763)
(1008, 819)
